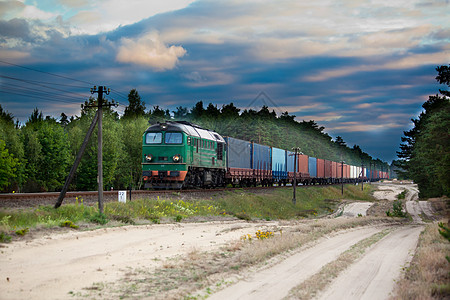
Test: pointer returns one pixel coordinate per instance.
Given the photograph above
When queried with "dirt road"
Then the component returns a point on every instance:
(56, 266)
(373, 277)
(276, 281)
(51, 267)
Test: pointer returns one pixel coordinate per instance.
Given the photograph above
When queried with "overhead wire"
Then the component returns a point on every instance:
(40, 94)
(35, 70)
(66, 95)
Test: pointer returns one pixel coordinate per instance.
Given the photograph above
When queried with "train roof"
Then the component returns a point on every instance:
(188, 128)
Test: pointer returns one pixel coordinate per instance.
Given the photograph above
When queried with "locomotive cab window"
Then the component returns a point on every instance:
(219, 151)
(153, 138)
(174, 138)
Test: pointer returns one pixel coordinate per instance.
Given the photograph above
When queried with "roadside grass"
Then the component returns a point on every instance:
(277, 204)
(428, 276)
(243, 204)
(198, 274)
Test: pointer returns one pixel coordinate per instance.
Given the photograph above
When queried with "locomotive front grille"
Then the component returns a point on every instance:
(162, 158)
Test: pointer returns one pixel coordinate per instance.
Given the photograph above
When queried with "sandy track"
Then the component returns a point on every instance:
(50, 267)
(373, 277)
(276, 281)
(356, 209)
(417, 208)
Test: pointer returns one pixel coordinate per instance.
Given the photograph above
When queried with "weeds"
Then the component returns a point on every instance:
(402, 195)
(4, 238)
(69, 224)
(245, 205)
(260, 235)
(428, 274)
(22, 231)
(99, 218)
(397, 210)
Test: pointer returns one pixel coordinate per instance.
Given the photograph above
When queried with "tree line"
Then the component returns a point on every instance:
(424, 154)
(38, 155)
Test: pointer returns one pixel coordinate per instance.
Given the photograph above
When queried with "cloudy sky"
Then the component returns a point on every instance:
(360, 68)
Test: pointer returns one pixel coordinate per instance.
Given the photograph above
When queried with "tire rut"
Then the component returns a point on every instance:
(275, 282)
(374, 275)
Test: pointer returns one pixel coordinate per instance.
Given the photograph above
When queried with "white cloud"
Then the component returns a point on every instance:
(149, 51)
(111, 14)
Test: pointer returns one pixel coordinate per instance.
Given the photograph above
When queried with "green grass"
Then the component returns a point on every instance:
(239, 203)
(277, 204)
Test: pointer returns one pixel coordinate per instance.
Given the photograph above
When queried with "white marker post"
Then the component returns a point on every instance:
(123, 196)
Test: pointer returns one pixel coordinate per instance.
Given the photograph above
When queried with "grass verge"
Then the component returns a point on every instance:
(428, 276)
(242, 204)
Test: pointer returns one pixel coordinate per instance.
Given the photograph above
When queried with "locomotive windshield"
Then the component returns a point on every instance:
(174, 138)
(153, 138)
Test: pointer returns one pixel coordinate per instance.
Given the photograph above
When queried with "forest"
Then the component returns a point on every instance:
(38, 155)
(424, 154)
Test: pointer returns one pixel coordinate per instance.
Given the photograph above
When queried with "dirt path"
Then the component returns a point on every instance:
(276, 281)
(356, 209)
(51, 267)
(373, 277)
(416, 208)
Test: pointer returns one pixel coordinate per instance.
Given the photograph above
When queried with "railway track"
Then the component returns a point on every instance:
(18, 200)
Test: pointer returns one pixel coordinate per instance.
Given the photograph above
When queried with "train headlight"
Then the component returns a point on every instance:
(148, 157)
(176, 158)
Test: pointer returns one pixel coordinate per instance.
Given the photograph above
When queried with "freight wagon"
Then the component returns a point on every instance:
(180, 154)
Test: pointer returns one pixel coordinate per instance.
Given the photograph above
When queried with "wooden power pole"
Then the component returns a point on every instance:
(100, 91)
(97, 119)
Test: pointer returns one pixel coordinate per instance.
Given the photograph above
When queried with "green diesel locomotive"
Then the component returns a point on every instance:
(181, 154)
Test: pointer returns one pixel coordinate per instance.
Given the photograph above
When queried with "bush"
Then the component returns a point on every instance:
(396, 210)
(23, 231)
(99, 218)
(402, 195)
(4, 238)
(69, 224)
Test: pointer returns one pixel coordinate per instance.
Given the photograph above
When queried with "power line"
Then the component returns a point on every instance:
(37, 92)
(56, 75)
(42, 82)
(11, 86)
(36, 97)
(41, 85)
(46, 84)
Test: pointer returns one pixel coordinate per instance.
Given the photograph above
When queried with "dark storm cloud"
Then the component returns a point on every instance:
(15, 28)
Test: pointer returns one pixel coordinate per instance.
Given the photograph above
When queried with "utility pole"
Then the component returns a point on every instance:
(362, 176)
(101, 90)
(296, 151)
(342, 177)
(98, 118)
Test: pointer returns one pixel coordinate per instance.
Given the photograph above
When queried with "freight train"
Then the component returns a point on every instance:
(179, 154)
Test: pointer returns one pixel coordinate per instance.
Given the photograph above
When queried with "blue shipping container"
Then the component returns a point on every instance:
(290, 161)
(312, 167)
(261, 157)
(279, 164)
(238, 153)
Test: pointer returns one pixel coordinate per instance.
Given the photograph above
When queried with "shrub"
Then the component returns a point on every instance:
(4, 238)
(396, 210)
(99, 218)
(23, 231)
(402, 195)
(69, 224)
